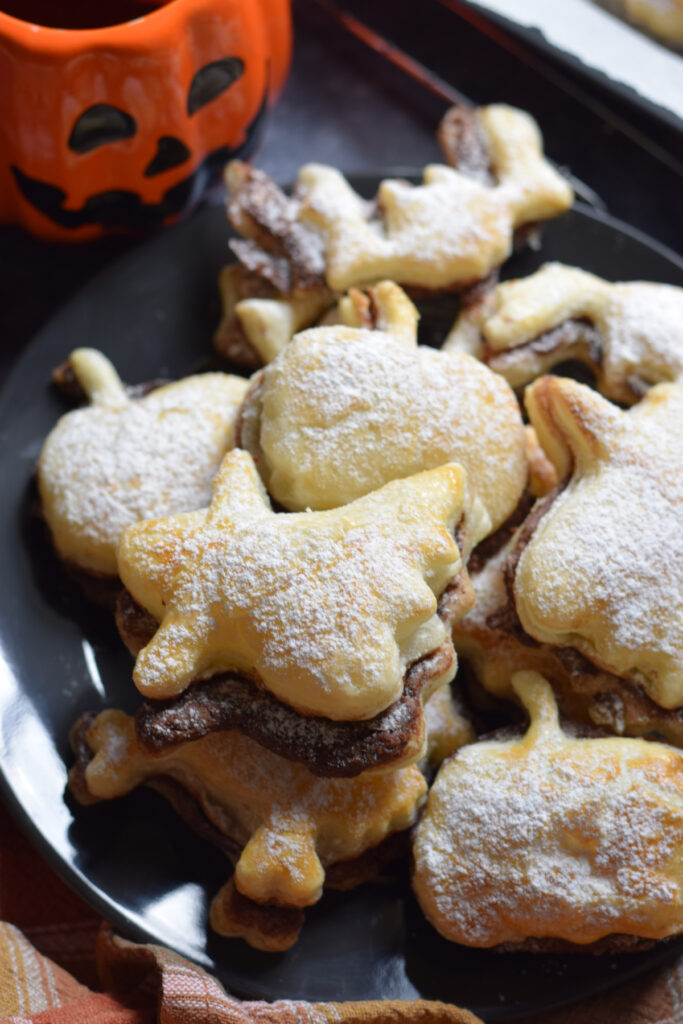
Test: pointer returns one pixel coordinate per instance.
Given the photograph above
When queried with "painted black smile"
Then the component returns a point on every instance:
(125, 209)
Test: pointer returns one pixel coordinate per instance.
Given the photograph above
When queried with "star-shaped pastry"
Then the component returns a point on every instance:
(630, 334)
(325, 609)
(603, 570)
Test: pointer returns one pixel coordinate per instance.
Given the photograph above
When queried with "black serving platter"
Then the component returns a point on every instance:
(153, 313)
(623, 88)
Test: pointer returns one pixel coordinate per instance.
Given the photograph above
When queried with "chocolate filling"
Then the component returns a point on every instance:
(609, 944)
(492, 544)
(464, 144)
(67, 383)
(582, 688)
(577, 338)
(277, 247)
(327, 748)
(277, 928)
(508, 619)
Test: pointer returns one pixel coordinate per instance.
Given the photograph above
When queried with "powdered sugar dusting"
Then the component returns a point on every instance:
(604, 569)
(327, 608)
(449, 230)
(553, 836)
(103, 468)
(643, 327)
(639, 325)
(344, 411)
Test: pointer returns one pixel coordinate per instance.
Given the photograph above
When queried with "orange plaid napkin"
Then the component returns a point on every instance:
(60, 964)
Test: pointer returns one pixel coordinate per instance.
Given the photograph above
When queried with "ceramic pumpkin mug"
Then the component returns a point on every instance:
(123, 127)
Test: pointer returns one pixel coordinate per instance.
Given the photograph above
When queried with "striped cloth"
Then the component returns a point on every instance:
(60, 964)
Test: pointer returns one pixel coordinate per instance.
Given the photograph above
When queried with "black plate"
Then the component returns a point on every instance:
(153, 313)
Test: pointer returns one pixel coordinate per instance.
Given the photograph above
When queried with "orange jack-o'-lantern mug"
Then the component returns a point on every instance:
(117, 114)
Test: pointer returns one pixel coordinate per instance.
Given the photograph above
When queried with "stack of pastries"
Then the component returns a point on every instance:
(297, 559)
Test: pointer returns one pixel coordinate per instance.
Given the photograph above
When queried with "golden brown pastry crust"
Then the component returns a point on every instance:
(394, 738)
(287, 824)
(661, 18)
(345, 408)
(325, 609)
(448, 725)
(603, 569)
(257, 320)
(120, 459)
(553, 836)
(492, 643)
(447, 232)
(628, 334)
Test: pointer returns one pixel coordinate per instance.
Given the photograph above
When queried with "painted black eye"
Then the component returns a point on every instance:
(100, 125)
(170, 153)
(211, 80)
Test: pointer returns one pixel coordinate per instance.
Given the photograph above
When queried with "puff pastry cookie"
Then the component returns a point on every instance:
(326, 609)
(119, 459)
(344, 409)
(602, 569)
(630, 335)
(549, 836)
(448, 726)
(257, 320)
(447, 232)
(452, 230)
(491, 642)
(287, 826)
